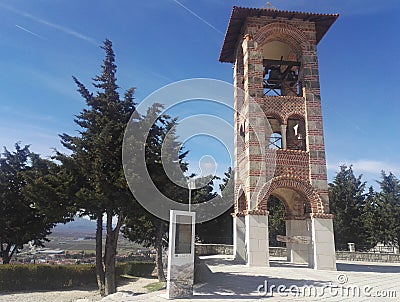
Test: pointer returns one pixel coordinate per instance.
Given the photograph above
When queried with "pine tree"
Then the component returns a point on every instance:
(31, 202)
(219, 229)
(386, 227)
(370, 217)
(96, 163)
(347, 202)
(276, 220)
(141, 226)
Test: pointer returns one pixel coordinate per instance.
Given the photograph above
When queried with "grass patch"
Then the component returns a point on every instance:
(152, 287)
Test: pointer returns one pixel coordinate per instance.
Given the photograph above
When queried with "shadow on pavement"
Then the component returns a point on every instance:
(232, 286)
(355, 267)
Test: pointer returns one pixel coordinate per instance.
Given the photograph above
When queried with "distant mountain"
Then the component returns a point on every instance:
(80, 226)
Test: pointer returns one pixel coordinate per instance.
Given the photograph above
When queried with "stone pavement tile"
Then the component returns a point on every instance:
(281, 282)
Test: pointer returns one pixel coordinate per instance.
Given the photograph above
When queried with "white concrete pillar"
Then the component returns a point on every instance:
(324, 257)
(239, 232)
(311, 246)
(257, 242)
(283, 134)
(288, 244)
(352, 247)
(300, 250)
(297, 252)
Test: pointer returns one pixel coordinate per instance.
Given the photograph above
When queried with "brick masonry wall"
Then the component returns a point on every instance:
(224, 249)
(213, 249)
(292, 163)
(368, 257)
(300, 35)
(314, 198)
(284, 106)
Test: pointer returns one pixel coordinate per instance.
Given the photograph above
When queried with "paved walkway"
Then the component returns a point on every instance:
(226, 281)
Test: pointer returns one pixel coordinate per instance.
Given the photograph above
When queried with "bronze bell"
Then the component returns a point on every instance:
(292, 78)
(274, 76)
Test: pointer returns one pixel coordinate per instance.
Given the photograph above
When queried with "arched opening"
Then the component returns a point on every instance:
(289, 226)
(276, 221)
(241, 203)
(281, 67)
(274, 136)
(296, 133)
(275, 141)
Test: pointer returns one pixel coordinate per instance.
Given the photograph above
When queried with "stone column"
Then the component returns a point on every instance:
(257, 240)
(254, 167)
(324, 257)
(283, 134)
(297, 253)
(288, 223)
(239, 246)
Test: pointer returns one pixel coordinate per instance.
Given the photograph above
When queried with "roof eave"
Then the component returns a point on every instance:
(239, 14)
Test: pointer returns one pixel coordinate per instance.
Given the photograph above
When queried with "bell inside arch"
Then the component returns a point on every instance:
(275, 76)
(292, 77)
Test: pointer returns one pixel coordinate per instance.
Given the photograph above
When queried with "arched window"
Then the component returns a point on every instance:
(241, 205)
(296, 134)
(275, 141)
(280, 70)
(274, 135)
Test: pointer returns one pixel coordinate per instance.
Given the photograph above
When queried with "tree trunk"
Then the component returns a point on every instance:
(159, 250)
(6, 259)
(110, 274)
(5, 254)
(99, 255)
(398, 244)
(110, 253)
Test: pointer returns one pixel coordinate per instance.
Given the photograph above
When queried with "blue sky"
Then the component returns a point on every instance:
(44, 42)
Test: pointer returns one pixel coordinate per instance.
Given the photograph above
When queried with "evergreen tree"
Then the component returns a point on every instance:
(96, 163)
(386, 224)
(219, 229)
(141, 226)
(371, 218)
(347, 202)
(31, 203)
(276, 220)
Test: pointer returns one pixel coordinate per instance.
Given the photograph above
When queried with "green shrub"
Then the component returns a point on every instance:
(52, 277)
(137, 269)
(42, 276)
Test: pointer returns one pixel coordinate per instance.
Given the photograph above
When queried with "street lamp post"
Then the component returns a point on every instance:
(191, 186)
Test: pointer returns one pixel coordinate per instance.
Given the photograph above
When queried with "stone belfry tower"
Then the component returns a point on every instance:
(279, 144)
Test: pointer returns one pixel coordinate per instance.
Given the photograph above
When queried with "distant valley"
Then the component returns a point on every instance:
(79, 227)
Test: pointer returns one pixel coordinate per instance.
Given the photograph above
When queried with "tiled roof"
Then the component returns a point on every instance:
(239, 14)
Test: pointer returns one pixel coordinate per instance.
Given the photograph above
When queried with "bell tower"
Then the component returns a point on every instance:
(279, 143)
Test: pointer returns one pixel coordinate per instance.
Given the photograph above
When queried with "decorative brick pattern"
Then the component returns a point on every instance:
(284, 106)
(321, 215)
(308, 167)
(296, 184)
(296, 174)
(283, 32)
(292, 163)
(239, 214)
(257, 212)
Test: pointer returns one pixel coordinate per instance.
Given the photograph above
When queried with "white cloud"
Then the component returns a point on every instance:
(366, 166)
(40, 139)
(371, 166)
